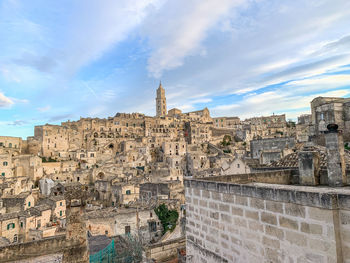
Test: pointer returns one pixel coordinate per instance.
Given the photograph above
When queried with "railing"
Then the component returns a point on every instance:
(104, 255)
(131, 253)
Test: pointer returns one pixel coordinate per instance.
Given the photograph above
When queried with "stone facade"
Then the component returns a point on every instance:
(269, 150)
(230, 222)
(327, 110)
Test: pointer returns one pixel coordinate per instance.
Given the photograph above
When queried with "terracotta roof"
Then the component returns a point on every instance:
(292, 161)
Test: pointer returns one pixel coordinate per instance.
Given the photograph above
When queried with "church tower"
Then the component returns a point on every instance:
(161, 102)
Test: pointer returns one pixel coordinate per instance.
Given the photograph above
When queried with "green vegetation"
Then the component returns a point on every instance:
(347, 146)
(290, 123)
(167, 217)
(226, 140)
(48, 160)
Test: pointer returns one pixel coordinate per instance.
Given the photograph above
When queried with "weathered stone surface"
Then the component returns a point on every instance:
(276, 207)
(288, 223)
(252, 214)
(257, 203)
(268, 218)
(320, 214)
(301, 226)
(274, 231)
(294, 210)
(311, 228)
(296, 238)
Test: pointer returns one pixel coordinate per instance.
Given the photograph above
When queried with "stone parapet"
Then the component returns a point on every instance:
(260, 222)
(322, 197)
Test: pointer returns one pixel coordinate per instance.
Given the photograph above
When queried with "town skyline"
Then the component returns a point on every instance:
(242, 58)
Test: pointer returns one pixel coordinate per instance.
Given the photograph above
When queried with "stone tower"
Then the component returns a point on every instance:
(76, 236)
(161, 102)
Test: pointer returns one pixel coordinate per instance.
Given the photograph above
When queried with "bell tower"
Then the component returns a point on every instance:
(161, 102)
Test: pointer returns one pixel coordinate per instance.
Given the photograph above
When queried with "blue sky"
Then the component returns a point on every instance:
(65, 59)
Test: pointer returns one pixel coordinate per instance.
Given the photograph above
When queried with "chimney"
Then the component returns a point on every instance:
(335, 156)
(309, 166)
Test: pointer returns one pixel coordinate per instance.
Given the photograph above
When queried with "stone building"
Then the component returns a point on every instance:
(327, 110)
(142, 222)
(17, 203)
(236, 166)
(227, 122)
(10, 143)
(268, 150)
(161, 102)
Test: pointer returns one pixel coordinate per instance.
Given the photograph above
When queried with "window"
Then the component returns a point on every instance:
(2, 174)
(152, 226)
(127, 230)
(150, 214)
(10, 145)
(28, 204)
(38, 223)
(322, 116)
(61, 213)
(21, 224)
(106, 232)
(60, 203)
(238, 165)
(5, 163)
(10, 226)
(128, 192)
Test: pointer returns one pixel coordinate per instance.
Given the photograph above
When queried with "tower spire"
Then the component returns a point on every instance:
(161, 101)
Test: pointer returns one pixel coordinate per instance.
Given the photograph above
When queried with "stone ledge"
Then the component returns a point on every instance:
(321, 197)
(205, 252)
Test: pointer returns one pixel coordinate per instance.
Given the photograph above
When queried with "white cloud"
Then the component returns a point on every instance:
(99, 26)
(293, 104)
(179, 28)
(318, 83)
(5, 102)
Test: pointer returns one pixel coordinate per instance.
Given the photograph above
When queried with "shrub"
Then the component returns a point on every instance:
(167, 217)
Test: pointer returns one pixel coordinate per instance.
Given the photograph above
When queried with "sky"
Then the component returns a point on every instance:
(62, 60)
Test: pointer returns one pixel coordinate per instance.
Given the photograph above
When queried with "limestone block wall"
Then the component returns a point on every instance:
(258, 222)
(165, 250)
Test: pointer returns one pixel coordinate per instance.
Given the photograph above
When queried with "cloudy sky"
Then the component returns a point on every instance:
(65, 59)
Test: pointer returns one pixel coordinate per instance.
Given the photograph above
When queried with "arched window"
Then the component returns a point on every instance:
(10, 226)
(5, 163)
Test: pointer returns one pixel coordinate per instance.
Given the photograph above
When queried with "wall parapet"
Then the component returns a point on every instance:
(321, 197)
(37, 248)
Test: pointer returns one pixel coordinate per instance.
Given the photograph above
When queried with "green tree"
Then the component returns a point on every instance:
(226, 140)
(167, 217)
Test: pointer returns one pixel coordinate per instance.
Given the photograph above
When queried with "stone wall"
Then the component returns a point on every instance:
(165, 250)
(257, 222)
(33, 249)
(258, 146)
